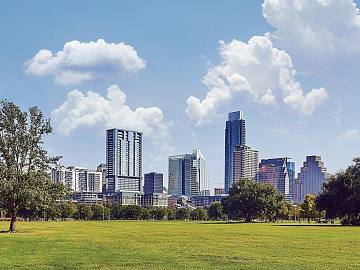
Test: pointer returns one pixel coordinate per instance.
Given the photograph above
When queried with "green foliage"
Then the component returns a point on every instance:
(158, 213)
(182, 214)
(67, 210)
(250, 200)
(340, 197)
(100, 212)
(215, 211)
(132, 212)
(170, 213)
(83, 212)
(24, 181)
(199, 214)
(308, 209)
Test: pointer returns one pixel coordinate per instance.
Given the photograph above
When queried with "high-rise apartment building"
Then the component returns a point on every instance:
(78, 179)
(124, 160)
(234, 136)
(312, 175)
(275, 172)
(245, 162)
(153, 183)
(102, 168)
(188, 174)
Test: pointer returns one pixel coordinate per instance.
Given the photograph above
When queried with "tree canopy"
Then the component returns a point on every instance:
(250, 200)
(340, 196)
(24, 180)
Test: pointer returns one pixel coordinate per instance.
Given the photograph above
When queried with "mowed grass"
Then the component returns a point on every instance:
(178, 245)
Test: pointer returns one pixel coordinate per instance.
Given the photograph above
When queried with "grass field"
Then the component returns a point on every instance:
(178, 245)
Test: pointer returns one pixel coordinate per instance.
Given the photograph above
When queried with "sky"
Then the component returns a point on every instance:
(174, 69)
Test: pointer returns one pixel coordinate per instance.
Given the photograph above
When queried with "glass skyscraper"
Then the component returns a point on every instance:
(123, 160)
(292, 180)
(275, 172)
(312, 176)
(153, 183)
(188, 174)
(234, 136)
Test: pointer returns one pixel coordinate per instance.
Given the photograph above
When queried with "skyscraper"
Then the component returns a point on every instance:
(245, 162)
(312, 175)
(275, 172)
(188, 174)
(292, 180)
(123, 160)
(153, 183)
(234, 136)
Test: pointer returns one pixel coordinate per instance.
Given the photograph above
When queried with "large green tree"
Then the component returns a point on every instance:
(24, 181)
(340, 196)
(250, 200)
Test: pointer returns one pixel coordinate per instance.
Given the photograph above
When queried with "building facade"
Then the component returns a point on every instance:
(153, 183)
(188, 174)
(292, 180)
(245, 162)
(124, 161)
(312, 176)
(275, 172)
(234, 135)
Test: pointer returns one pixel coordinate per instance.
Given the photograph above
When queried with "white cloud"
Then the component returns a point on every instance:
(315, 32)
(79, 61)
(111, 111)
(349, 135)
(259, 69)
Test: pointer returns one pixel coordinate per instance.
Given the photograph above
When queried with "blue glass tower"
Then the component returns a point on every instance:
(292, 184)
(234, 136)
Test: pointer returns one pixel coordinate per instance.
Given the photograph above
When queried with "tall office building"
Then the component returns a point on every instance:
(312, 176)
(188, 174)
(245, 162)
(124, 160)
(275, 172)
(292, 180)
(153, 183)
(234, 136)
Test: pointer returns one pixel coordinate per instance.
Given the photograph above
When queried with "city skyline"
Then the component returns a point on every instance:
(176, 75)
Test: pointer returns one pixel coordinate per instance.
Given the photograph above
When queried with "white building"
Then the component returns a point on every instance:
(78, 179)
(245, 162)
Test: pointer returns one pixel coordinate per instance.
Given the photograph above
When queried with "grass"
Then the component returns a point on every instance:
(178, 245)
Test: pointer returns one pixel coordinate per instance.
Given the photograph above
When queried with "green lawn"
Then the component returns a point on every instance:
(178, 245)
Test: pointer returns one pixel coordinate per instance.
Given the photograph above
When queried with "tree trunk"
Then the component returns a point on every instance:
(12, 222)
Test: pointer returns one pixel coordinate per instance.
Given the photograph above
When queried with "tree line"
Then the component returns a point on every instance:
(26, 188)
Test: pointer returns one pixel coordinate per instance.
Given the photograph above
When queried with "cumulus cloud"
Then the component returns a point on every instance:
(258, 69)
(79, 61)
(352, 134)
(313, 30)
(91, 109)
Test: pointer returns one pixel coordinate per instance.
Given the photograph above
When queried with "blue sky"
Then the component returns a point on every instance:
(176, 46)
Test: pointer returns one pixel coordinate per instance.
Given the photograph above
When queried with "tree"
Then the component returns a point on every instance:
(307, 208)
(199, 214)
(215, 211)
(182, 214)
(99, 212)
(132, 212)
(83, 212)
(158, 213)
(170, 213)
(67, 210)
(24, 181)
(249, 200)
(340, 196)
(145, 214)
